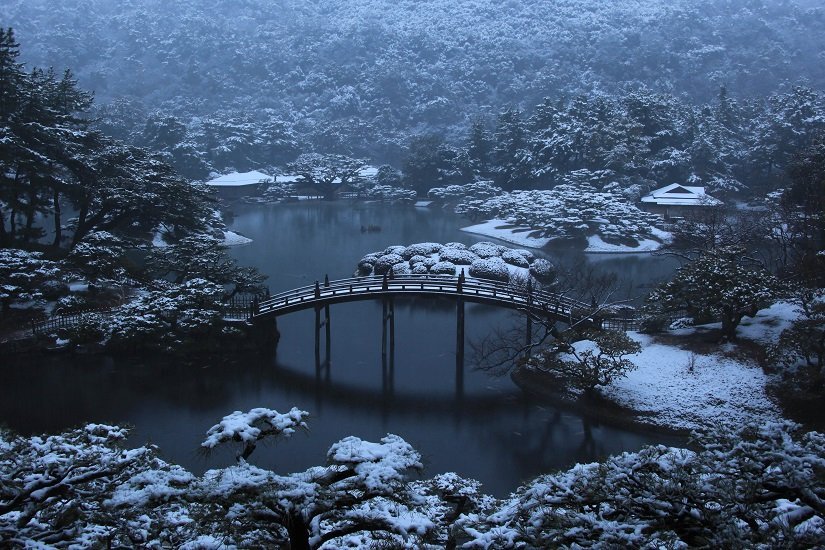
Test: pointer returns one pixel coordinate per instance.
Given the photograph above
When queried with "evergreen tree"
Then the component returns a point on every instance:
(479, 149)
(510, 153)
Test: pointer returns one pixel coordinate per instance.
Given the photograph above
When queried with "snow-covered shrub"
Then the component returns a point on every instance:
(367, 264)
(681, 322)
(429, 262)
(91, 328)
(385, 263)
(53, 290)
(372, 257)
(477, 190)
(417, 259)
(421, 249)
(22, 273)
(543, 270)
(443, 268)
(394, 249)
(420, 269)
(515, 257)
(490, 268)
(487, 249)
(390, 193)
(800, 350)
(653, 324)
(457, 256)
(364, 269)
(71, 303)
(459, 246)
(401, 269)
(585, 360)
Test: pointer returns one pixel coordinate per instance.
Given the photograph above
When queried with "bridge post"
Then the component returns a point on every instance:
(318, 337)
(459, 339)
(529, 336)
(392, 345)
(327, 326)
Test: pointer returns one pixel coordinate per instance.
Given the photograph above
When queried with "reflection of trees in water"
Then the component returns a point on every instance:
(50, 394)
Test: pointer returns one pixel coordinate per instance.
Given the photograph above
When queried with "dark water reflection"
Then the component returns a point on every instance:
(492, 432)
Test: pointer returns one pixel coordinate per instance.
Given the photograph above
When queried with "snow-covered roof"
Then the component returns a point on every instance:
(368, 171)
(678, 194)
(237, 179)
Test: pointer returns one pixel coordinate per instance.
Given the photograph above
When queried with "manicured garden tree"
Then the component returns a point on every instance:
(202, 256)
(22, 275)
(801, 347)
(55, 490)
(100, 255)
(326, 174)
(722, 284)
(745, 487)
(586, 359)
(363, 489)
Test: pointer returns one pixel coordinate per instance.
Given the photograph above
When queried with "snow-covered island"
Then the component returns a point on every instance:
(484, 260)
(578, 213)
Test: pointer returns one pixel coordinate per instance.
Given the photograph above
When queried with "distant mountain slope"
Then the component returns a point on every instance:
(395, 67)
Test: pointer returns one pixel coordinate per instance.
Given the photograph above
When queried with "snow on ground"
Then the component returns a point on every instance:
(237, 179)
(717, 388)
(504, 231)
(768, 323)
(507, 232)
(230, 238)
(595, 245)
(423, 204)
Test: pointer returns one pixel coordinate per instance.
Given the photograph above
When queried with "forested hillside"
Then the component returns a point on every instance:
(270, 78)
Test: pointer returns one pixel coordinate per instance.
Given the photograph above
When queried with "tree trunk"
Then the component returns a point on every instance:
(298, 532)
(729, 324)
(3, 235)
(58, 230)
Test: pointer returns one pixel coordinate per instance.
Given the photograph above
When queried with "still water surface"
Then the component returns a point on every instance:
(491, 432)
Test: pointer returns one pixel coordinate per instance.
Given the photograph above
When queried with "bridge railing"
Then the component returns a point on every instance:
(430, 284)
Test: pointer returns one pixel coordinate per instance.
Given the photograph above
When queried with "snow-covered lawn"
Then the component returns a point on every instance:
(717, 389)
(239, 179)
(505, 231)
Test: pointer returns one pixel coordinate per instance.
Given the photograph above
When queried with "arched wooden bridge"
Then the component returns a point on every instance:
(526, 299)
(482, 291)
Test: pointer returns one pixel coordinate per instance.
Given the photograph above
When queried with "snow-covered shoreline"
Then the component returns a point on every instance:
(507, 232)
(678, 389)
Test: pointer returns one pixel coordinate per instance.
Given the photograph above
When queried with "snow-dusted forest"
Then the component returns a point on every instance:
(685, 140)
(247, 84)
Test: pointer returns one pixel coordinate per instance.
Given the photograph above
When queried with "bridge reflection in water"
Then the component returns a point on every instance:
(534, 303)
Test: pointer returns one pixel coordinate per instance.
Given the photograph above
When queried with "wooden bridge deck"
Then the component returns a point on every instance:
(480, 291)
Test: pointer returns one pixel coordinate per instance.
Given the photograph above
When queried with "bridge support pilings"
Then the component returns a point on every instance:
(388, 338)
(459, 347)
(327, 337)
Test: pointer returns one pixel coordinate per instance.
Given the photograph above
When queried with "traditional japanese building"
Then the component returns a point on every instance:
(675, 200)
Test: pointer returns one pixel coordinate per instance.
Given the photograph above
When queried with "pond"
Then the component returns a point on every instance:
(490, 431)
